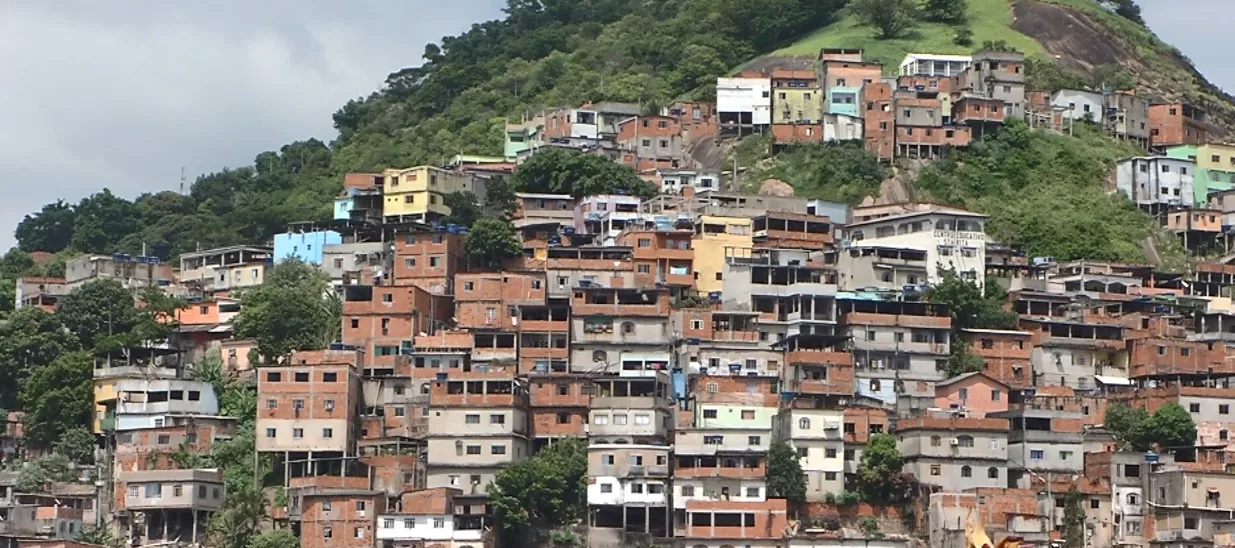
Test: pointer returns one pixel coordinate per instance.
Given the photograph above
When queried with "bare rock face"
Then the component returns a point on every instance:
(773, 187)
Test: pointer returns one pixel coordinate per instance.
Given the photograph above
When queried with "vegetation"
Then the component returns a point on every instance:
(35, 475)
(784, 474)
(490, 242)
(545, 491)
(970, 308)
(1044, 191)
(29, 338)
(892, 18)
(58, 397)
(101, 536)
(1137, 430)
(951, 12)
(560, 171)
(837, 171)
(879, 478)
(77, 444)
(1074, 519)
(290, 311)
(275, 539)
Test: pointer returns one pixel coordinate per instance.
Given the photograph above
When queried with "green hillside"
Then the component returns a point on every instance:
(990, 20)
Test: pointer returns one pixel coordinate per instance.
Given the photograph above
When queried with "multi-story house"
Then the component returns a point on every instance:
(309, 406)
(348, 262)
(878, 119)
(225, 269)
(796, 97)
(975, 394)
(308, 246)
(954, 450)
(1073, 352)
(418, 194)
(793, 290)
(171, 505)
(329, 511)
(430, 516)
(1006, 355)
(606, 216)
(998, 75)
(1214, 168)
(631, 409)
(722, 438)
(717, 237)
(843, 76)
(1186, 504)
(744, 103)
(542, 211)
(651, 142)
(40, 292)
(721, 342)
(628, 493)
(1079, 105)
(383, 320)
(929, 64)
(1155, 183)
(790, 230)
(477, 423)
(619, 330)
(662, 257)
(1180, 124)
(1127, 474)
(134, 273)
(361, 199)
(1127, 115)
(899, 349)
(1045, 435)
(886, 268)
(428, 260)
(952, 239)
(757, 524)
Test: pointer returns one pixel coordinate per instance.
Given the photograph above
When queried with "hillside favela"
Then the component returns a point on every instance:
(663, 273)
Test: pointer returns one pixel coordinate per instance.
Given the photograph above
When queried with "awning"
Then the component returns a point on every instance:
(1114, 381)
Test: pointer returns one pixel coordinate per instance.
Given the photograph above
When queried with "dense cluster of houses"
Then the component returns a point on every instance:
(682, 336)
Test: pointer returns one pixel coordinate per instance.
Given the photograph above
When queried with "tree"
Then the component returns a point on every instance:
(784, 473)
(546, 490)
(100, 536)
(970, 308)
(892, 18)
(289, 312)
(29, 338)
(34, 476)
(1074, 519)
(102, 220)
(98, 311)
(1134, 428)
(963, 37)
(275, 539)
(239, 521)
(840, 171)
(490, 243)
(49, 230)
(560, 171)
(951, 12)
(77, 444)
(500, 198)
(880, 479)
(1126, 9)
(997, 45)
(58, 397)
(464, 208)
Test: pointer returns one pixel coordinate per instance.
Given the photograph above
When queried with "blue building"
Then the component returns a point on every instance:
(306, 246)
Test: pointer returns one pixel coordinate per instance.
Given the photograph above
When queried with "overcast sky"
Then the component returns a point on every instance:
(124, 94)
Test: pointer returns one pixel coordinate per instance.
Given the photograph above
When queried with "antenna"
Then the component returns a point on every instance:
(182, 180)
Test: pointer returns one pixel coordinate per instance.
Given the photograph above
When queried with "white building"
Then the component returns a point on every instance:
(817, 436)
(1156, 180)
(953, 239)
(929, 64)
(842, 127)
(1080, 105)
(744, 101)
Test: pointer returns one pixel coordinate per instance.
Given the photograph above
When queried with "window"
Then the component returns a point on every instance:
(359, 532)
(688, 490)
(270, 432)
(355, 323)
(154, 490)
(804, 423)
(709, 413)
(1224, 409)
(754, 441)
(964, 441)
(497, 419)
(1133, 500)
(497, 450)
(177, 490)
(563, 418)
(992, 473)
(936, 441)
(409, 523)
(935, 470)
(388, 523)
(298, 433)
(274, 377)
(1036, 454)
(963, 394)
(1094, 503)
(748, 414)
(327, 532)
(966, 472)
(473, 449)
(399, 412)
(471, 419)
(829, 453)
(1194, 407)
(164, 439)
(1065, 455)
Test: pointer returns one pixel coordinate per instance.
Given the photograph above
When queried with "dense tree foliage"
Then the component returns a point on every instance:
(879, 478)
(838, 171)
(784, 475)
(290, 311)
(58, 397)
(547, 490)
(490, 242)
(561, 171)
(36, 475)
(1135, 429)
(29, 338)
(48, 230)
(892, 18)
(952, 12)
(1043, 191)
(77, 444)
(971, 307)
(1074, 519)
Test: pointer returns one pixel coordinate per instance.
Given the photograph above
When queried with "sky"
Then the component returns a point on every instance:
(124, 94)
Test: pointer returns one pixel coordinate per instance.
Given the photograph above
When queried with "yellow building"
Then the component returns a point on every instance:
(796, 97)
(715, 238)
(1216, 157)
(418, 193)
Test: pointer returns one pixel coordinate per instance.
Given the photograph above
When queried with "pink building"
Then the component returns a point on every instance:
(977, 392)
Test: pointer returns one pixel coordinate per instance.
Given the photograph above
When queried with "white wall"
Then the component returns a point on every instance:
(752, 95)
(1078, 104)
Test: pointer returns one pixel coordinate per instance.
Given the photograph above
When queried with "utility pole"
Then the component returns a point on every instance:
(182, 180)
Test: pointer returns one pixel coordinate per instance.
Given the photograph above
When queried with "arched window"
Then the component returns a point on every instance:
(936, 441)
(804, 423)
(966, 472)
(599, 356)
(965, 441)
(992, 473)
(424, 388)
(1133, 500)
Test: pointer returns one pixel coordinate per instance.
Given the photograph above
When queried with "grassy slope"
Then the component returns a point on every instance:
(989, 19)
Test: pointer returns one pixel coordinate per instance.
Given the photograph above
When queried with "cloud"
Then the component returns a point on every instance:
(100, 94)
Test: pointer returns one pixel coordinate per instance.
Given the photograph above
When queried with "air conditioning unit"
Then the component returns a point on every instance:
(954, 442)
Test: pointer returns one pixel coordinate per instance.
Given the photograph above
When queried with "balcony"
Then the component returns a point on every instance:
(713, 441)
(843, 387)
(799, 288)
(629, 471)
(819, 357)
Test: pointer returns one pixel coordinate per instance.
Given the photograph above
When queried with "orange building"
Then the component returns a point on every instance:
(335, 511)
(310, 404)
(1005, 354)
(978, 393)
(661, 256)
(740, 522)
(1180, 124)
(428, 260)
(878, 119)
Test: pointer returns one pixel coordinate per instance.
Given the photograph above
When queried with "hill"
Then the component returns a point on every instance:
(548, 53)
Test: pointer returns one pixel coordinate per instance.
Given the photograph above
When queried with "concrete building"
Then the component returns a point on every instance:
(308, 247)
(477, 423)
(1173, 124)
(628, 492)
(662, 257)
(652, 142)
(928, 64)
(1045, 435)
(797, 97)
(1079, 105)
(352, 262)
(308, 406)
(1157, 184)
(432, 516)
(620, 331)
(418, 194)
(1006, 355)
(955, 451)
(173, 505)
(631, 410)
(744, 104)
(898, 349)
(40, 292)
(861, 266)
(952, 239)
(225, 269)
(135, 273)
(998, 75)
(1215, 168)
